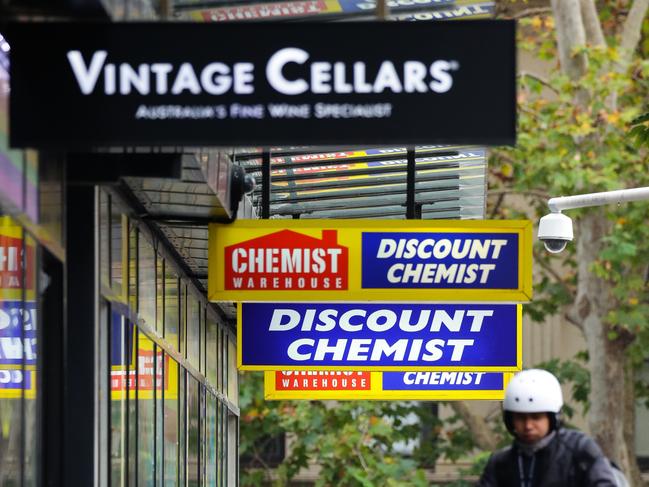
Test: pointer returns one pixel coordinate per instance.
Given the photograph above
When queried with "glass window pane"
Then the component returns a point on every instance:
(211, 440)
(117, 222)
(211, 351)
(233, 382)
(233, 451)
(146, 282)
(104, 238)
(183, 319)
(145, 410)
(172, 309)
(131, 398)
(171, 411)
(220, 358)
(159, 278)
(193, 330)
(120, 359)
(160, 386)
(203, 433)
(30, 332)
(193, 432)
(18, 358)
(132, 266)
(182, 427)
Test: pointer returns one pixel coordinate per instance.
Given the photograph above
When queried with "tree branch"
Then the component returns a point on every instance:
(482, 434)
(532, 194)
(494, 212)
(571, 318)
(542, 262)
(592, 25)
(532, 11)
(540, 79)
(631, 31)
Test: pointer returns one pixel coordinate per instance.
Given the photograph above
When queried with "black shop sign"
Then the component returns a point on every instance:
(84, 84)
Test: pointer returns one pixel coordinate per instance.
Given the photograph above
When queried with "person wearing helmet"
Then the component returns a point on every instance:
(543, 453)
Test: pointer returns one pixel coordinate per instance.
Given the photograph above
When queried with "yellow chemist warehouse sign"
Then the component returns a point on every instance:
(370, 260)
(403, 386)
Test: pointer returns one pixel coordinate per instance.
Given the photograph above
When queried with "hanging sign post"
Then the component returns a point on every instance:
(404, 386)
(379, 337)
(370, 260)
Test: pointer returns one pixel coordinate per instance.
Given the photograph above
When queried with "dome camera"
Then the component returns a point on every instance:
(555, 231)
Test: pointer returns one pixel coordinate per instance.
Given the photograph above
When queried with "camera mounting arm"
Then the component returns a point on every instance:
(555, 229)
(597, 199)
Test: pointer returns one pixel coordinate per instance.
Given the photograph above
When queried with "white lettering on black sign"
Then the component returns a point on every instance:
(217, 78)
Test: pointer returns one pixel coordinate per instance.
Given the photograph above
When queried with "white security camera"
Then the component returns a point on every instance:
(555, 231)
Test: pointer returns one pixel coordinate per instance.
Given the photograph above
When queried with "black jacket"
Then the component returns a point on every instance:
(570, 459)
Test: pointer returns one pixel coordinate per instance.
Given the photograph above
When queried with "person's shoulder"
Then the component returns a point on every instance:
(580, 443)
(501, 455)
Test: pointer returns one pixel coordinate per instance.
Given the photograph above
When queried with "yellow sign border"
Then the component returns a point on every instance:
(377, 393)
(397, 368)
(222, 235)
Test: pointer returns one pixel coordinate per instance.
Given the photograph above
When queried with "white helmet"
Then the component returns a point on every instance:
(533, 391)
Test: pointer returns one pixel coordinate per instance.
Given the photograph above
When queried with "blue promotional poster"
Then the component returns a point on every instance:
(375, 337)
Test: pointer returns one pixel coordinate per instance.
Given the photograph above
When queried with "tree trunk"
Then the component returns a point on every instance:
(629, 421)
(606, 357)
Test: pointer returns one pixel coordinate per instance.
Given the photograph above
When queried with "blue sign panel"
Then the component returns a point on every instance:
(350, 6)
(15, 379)
(371, 336)
(17, 333)
(442, 381)
(439, 260)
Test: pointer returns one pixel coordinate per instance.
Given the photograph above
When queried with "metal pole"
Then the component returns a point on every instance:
(265, 184)
(410, 184)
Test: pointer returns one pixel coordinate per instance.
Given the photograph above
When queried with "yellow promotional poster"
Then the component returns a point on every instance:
(385, 386)
(17, 262)
(371, 260)
(149, 377)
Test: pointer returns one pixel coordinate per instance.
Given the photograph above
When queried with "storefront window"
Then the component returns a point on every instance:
(193, 432)
(160, 385)
(171, 412)
(182, 427)
(210, 469)
(120, 359)
(18, 328)
(146, 409)
(172, 309)
(212, 351)
(159, 279)
(117, 223)
(132, 265)
(104, 238)
(233, 378)
(146, 282)
(193, 330)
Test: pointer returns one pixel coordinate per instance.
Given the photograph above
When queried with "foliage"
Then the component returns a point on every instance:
(565, 149)
(354, 443)
(640, 130)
